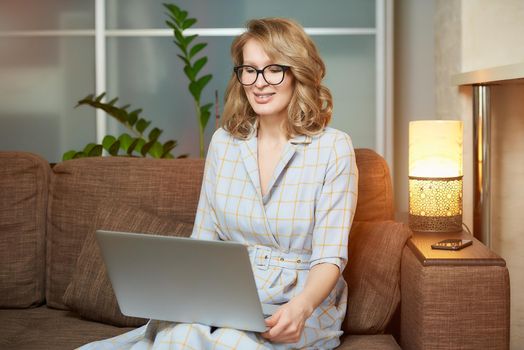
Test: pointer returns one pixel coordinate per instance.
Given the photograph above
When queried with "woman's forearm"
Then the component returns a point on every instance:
(321, 280)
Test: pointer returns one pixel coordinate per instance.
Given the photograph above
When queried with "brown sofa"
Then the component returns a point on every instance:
(53, 295)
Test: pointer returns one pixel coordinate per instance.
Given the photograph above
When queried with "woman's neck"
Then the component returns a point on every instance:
(272, 128)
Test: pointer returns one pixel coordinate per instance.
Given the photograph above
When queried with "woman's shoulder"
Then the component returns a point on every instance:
(220, 138)
(220, 135)
(332, 136)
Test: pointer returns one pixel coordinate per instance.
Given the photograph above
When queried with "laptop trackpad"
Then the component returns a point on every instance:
(269, 309)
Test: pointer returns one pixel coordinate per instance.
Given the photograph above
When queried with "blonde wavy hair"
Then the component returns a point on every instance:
(285, 42)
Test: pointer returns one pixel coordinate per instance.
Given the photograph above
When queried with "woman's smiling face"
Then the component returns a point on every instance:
(266, 99)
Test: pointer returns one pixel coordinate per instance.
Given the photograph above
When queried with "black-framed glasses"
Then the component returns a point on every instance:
(273, 74)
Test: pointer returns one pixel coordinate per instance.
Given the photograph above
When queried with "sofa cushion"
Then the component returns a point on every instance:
(170, 187)
(368, 342)
(90, 292)
(24, 181)
(375, 192)
(50, 329)
(373, 275)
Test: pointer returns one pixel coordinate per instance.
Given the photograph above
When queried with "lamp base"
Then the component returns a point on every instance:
(435, 223)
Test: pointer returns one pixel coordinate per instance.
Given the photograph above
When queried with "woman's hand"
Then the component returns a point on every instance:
(287, 323)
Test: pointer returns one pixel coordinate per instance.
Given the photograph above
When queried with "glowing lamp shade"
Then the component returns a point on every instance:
(435, 175)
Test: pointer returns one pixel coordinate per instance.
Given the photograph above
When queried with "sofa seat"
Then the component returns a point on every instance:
(368, 342)
(46, 328)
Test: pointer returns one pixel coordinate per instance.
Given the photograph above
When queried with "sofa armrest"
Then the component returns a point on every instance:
(453, 300)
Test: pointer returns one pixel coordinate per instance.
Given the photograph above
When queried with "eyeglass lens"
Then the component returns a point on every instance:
(272, 74)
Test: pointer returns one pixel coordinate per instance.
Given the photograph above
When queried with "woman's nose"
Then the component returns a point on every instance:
(260, 82)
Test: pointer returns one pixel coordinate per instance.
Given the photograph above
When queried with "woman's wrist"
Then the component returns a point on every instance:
(305, 304)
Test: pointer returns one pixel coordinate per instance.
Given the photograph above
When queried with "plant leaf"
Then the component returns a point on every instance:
(141, 125)
(156, 150)
(132, 146)
(100, 97)
(125, 141)
(172, 25)
(189, 72)
(141, 142)
(190, 38)
(120, 115)
(133, 116)
(199, 64)
(182, 15)
(204, 118)
(79, 155)
(154, 134)
(181, 41)
(168, 146)
(202, 82)
(89, 147)
(113, 101)
(68, 155)
(188, 23)
(96, 151)
(206, 107)
(195, 90)
(186, 61)
(196, 49)
(108, 141)
(114, 148)
(146, 147)
(173, 9)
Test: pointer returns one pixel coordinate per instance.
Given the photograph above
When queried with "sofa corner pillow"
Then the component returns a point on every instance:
(90, 293)
(373, 275)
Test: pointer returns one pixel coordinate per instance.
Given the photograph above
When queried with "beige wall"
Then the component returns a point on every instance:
(471, 35)
(414, 87)
(492, 33)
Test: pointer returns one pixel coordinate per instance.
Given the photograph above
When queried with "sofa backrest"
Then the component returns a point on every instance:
(76, 188)
(169, 187)
(24, 181)
(375, 192)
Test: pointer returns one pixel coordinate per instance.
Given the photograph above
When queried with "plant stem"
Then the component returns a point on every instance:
(200, 128)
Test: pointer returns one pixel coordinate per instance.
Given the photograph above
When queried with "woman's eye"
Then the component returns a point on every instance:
(249, 70)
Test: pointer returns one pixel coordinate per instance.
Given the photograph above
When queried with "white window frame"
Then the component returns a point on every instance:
(383, 33)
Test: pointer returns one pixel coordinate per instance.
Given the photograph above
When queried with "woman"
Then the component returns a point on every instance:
(281, 182)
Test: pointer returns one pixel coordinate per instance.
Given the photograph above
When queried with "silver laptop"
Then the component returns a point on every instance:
(183, 280)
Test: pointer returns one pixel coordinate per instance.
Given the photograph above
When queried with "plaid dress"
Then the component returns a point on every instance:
(303, 220)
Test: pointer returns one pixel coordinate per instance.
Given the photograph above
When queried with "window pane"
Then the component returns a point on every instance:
(41, 80)
(139, 14)
(46, 15)
(350, 65)
(146, 73)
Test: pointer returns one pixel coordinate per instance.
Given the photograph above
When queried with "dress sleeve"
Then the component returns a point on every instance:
(336, 206)
(205, 226)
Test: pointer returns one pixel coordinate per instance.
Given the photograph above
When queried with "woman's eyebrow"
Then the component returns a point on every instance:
(250, 63)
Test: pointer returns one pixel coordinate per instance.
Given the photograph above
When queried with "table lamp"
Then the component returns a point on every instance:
(435, 175)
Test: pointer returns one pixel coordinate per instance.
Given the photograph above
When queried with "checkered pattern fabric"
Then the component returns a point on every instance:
(303, 220)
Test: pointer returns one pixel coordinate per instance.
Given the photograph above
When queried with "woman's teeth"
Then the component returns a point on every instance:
(263, 95)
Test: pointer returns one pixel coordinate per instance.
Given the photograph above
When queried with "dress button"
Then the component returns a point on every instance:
(265, 257)
(281, 259)
(299, 261)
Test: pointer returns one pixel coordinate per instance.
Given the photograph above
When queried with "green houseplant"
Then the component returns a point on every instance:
(179, 22)
(138, 144)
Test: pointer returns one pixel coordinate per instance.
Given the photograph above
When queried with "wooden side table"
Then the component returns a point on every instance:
(453, 299)
(476, 254)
